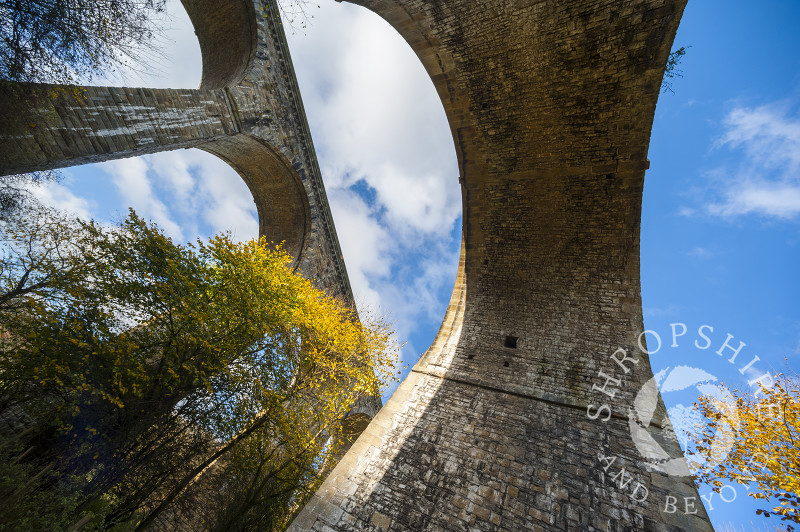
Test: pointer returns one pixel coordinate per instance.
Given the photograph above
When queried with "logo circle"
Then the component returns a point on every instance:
(644, 429)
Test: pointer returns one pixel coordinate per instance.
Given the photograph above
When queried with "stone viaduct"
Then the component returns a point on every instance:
(247, 111)
(499, 425)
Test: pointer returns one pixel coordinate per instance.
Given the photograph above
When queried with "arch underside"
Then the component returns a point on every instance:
(228, 36)
(281, 201)
(551, 106)
(247, 111)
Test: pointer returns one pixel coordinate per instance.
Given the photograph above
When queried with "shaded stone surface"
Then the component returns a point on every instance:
(551, 105)
(247, 111)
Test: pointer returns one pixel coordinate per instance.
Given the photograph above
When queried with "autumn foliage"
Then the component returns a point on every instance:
(139, 377)
(764, 446)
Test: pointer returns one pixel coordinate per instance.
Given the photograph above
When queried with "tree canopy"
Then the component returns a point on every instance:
(137, 376)
(764, 447)
(59, 41)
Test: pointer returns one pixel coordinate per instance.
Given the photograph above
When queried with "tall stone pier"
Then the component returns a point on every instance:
(526, 412)
(534, 408)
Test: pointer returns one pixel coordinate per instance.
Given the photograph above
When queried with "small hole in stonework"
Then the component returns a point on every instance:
(505, 364)
(470, 357)
(511, 341)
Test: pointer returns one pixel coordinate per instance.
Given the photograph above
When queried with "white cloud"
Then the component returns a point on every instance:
(222, 197)
(423, 202)
(766, 181)
(131, 179)
(61, 197)
(760, 196)
(364, 245)
(377, 118)
(700, 252)
(174, 168)
(388, 163)
(189, 193)
(181, 65)
(769, 135)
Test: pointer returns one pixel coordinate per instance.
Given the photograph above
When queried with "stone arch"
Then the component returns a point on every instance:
(551, 137)
(228, 34)
(284, 214)
(244, 95)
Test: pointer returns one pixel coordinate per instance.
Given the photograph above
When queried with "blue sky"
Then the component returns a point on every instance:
(720, 233)
(721, 213)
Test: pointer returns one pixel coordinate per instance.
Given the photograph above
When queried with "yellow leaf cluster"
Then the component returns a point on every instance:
(132, 343)
(764, 447)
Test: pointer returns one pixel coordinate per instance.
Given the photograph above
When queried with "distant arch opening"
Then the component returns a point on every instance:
(227, 32)
(353, 426)
(281, 201)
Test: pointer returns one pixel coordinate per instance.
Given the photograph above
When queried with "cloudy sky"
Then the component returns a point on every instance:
(721, 214)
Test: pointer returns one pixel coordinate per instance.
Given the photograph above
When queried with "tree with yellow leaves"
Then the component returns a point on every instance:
(764, 449)
(141, 371)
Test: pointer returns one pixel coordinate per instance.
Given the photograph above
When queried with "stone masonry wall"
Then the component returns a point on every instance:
(248, 111)
(91, 124)
(551, 105)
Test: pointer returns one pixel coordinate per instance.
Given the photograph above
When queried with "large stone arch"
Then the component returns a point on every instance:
(248, 111)
(550, 104)
(284, 215)
(228, 35)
